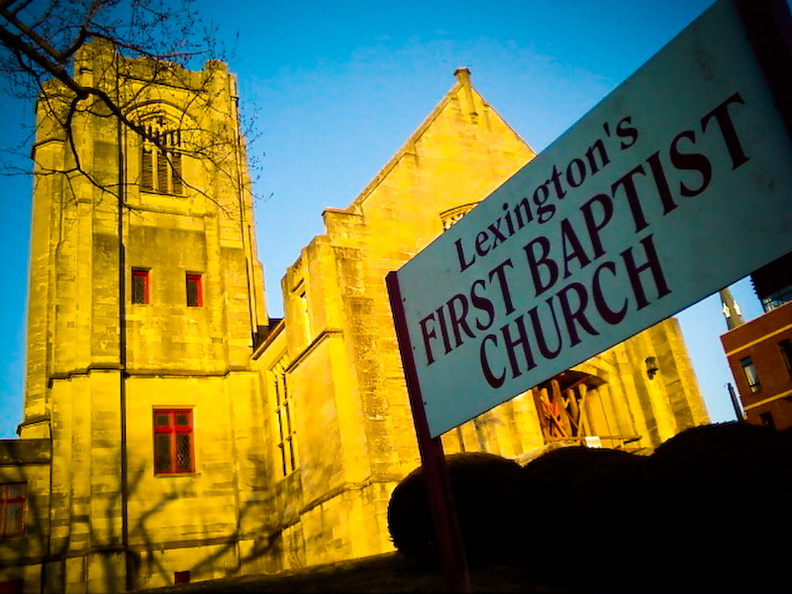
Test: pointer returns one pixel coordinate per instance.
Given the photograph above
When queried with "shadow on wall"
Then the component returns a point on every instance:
(24, 488)
(222, 555)
(30, 554)
(703, 512)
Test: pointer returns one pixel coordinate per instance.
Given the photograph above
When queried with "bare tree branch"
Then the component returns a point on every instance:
(41, 42)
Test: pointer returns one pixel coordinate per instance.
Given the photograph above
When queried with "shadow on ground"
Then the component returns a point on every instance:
(382, 573)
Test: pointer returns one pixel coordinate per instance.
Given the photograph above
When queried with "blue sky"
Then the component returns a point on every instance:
(333, 89)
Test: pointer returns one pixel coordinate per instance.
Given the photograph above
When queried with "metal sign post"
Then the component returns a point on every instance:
(438, 485)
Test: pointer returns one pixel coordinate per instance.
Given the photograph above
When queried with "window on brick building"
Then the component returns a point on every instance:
(284, 416)
(173, 441)
(785, 346)
(140, 286)
(750, 374)
(766, 418)
(13, 497)
(194, 290)
(161, 161)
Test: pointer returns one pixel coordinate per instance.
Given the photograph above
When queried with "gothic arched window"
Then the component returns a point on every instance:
(160, 161)
(453, 215)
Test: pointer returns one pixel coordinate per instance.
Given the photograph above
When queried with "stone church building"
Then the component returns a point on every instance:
(173, 431)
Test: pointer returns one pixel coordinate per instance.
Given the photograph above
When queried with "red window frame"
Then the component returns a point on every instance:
(12, 496)
(195, 298)
(143, 274)
(181, 577)
(170, 433)
(12, 587)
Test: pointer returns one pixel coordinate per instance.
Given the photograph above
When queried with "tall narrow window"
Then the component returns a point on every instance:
(12, 509)
(160, 159)
(162, 172)
(176, 168)
(140, 286)
(785, 346)
(750, 374)
(146, 169)
(173, 441)
(194, 290)
(305, 315)
(284, 414)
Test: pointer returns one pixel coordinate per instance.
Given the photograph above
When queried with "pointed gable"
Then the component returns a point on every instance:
(456, 157)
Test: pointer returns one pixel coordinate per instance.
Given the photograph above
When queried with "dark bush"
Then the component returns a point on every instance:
(707, 511)
(720, 495)
(574, 499)
(486, 498)
(707, 505)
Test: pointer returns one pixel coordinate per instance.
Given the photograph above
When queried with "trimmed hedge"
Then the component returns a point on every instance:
(717, 501)
(707, 511)
(566, 494)
(486, 498)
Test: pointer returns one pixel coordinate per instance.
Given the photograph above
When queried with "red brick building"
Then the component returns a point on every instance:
(760, 356)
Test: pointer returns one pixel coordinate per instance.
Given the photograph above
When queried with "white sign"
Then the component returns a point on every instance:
(676, 185)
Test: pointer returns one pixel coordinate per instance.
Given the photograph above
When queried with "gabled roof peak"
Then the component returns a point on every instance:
(463, 75)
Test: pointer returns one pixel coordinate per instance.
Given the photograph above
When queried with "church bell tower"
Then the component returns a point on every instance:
(146, 297)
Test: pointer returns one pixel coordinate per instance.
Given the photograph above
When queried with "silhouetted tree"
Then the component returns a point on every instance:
(40, 40)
